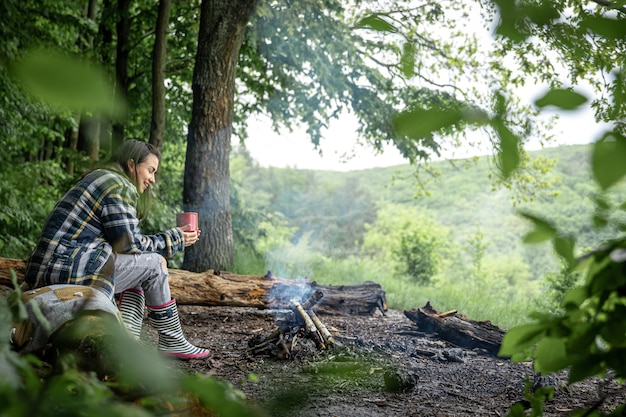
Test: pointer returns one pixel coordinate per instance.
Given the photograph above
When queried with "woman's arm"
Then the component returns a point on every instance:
(121, 225)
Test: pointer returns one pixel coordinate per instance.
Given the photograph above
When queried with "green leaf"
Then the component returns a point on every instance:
(510, 21)
(542, 231)
(599, 221)
(219, 396)
(541, 14)
(583, 335)
(407, 61)
(375, 22)
(605, 27)
(586, 366)
(517, 410)
(607, 159)
(520, 338)
(613, 332)
(562, 98)
(422, 123)
(564, 246)
(68, 83)
(551, 355)
(575, 297)
(508, 154)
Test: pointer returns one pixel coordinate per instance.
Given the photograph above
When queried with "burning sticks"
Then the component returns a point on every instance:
(301, 321)
(311, 329)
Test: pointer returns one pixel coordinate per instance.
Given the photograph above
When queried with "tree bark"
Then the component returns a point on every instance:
(159, 53)
(89, 136)
(214, 288)
(104, 48)
(73, 136)
(121, 64)
(206, 179)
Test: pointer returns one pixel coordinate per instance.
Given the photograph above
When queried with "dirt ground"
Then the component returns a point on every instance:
(381, 365)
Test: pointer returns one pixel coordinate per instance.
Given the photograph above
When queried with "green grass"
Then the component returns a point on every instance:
(501, 304)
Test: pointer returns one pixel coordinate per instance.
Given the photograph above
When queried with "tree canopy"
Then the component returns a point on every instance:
(300, 63)
(411, 75)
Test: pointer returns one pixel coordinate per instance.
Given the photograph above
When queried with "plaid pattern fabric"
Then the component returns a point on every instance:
(94, 220)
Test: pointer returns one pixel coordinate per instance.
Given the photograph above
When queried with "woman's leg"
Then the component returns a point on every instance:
(145, 271)
(148, 272)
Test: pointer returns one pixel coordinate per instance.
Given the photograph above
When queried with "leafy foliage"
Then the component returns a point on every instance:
(408, 241)
(406, 63)
(587, 337)
(66, 83)
(142, 384)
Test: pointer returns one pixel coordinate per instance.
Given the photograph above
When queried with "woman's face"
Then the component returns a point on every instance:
(144, 173)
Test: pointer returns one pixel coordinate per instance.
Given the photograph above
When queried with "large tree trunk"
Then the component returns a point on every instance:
(212, 288)
(121, 64)
(104, 48)
(89, 136)
(206, 183)
(157, 127)
(84, 43)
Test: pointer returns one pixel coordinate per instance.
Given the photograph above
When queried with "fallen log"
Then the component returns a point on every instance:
(456, 329)
(215, 288)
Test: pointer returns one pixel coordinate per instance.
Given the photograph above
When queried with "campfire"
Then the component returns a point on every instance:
(293, 326)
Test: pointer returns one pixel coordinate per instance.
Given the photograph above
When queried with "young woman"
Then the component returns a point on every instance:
(92, 238)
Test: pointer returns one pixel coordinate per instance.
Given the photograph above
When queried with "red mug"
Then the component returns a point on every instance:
(188, 217)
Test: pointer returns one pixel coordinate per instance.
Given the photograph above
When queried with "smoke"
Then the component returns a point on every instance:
(283, 294)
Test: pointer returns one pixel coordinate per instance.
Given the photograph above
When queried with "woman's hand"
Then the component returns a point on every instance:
(190, 237)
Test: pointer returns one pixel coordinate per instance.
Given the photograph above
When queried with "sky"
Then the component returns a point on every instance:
(342, 152)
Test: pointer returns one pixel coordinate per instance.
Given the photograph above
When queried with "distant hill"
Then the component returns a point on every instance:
(333, 206)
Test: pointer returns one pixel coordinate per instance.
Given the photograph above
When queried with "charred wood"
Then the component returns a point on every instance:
(309, 326)
(298, 327)
(457, 329)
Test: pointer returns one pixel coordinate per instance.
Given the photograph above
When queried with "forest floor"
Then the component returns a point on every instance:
(381, 365)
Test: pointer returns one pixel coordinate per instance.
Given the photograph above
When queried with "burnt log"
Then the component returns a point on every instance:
(219, 288)
(456, 329)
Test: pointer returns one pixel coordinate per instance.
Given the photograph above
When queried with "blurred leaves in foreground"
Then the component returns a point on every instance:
(67, 82)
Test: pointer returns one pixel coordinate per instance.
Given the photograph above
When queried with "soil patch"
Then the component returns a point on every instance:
(381, 366)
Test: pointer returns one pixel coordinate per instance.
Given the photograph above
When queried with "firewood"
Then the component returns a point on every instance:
(294, 341)
(272, 337)
(309, 326)
(321, 327)
(312, 300)
(281, 342)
